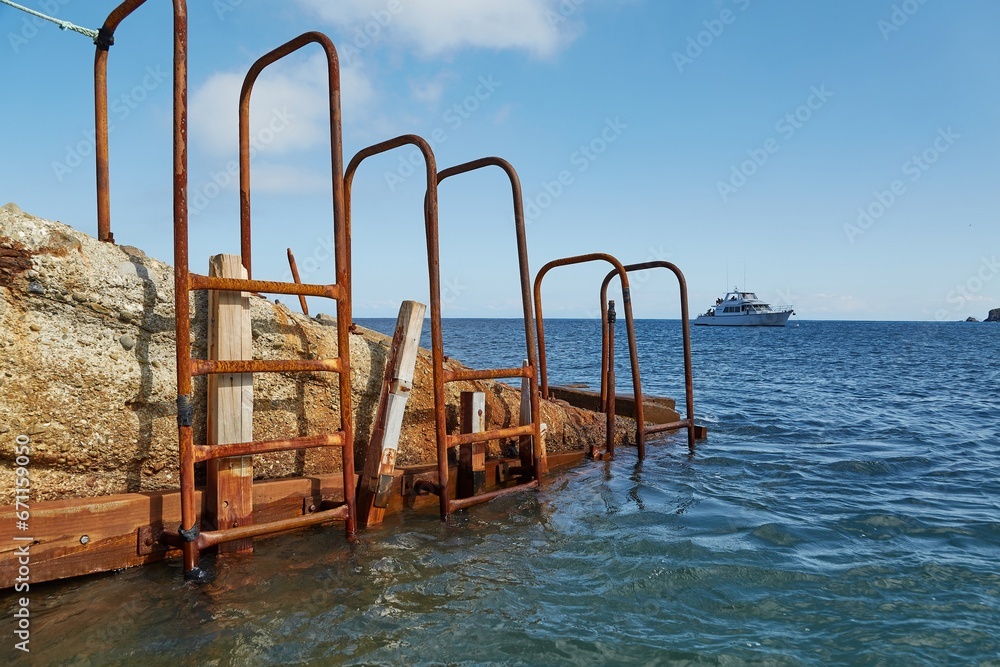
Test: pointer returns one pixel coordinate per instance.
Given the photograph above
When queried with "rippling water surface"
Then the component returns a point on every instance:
(845, 509)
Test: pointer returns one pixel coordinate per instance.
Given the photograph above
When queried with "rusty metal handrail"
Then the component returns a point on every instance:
(686, 328)
(434, 278)
(440, 375)
(189, 537)
(336, 132)
(531, 372)
(103, 43)
(640, 431)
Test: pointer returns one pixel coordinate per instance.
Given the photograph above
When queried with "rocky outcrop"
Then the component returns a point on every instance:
(87, 372)
(971, 319)
(994, 316)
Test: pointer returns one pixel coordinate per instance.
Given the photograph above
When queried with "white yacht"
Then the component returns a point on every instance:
(744, 309)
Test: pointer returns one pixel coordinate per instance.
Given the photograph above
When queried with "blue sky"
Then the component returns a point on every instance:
(842, 154)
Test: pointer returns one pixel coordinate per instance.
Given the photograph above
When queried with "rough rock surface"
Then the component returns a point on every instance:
(994, 315)
(87, 372)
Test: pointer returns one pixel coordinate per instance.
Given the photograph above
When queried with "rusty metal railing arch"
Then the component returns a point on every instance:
(433, 262)
(190, 538)
(441, 376)
(336, 131)
(531, 370)
(606, 354)
(430, 195)
(103, 43)
(522, 245)
(619, 269)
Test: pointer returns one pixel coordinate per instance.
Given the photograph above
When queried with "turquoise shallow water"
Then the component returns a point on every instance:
(844, 510)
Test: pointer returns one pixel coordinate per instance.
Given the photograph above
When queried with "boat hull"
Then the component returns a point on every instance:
(775, 319)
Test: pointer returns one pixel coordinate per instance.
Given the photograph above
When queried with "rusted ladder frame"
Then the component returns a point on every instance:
(104, 41)
(688, 422)
(440, 375)
(619, 269)
(529, 372)
(190, 538)
(430, 228)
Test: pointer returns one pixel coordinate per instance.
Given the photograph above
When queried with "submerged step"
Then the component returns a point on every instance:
(656, 410)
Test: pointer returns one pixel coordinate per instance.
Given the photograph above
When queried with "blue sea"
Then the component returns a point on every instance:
(844, 510)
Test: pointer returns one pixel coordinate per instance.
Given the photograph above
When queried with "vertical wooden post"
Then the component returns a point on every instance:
(471, 479)
(375, 483)
(230, 404)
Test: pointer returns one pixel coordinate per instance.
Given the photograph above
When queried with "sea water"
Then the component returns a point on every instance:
(845, 509)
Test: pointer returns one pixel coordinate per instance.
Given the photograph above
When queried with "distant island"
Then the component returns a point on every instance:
(994, 316)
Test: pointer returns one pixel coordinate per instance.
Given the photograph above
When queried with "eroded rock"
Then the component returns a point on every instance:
(87, 372)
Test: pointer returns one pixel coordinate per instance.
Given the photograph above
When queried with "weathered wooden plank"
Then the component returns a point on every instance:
(656, 410)
(380, 457)
(82, 536)
(471, 457)
(230, 405)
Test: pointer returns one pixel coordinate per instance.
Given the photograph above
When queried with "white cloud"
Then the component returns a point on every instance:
(430, 92)
(289, 108)
(288, 179)
(540, 27)
(503, 113)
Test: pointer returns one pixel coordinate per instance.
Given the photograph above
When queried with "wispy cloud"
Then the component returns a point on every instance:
(297, 88)
(431, 91)
(288, 179)
(434, 27)
(503, 113)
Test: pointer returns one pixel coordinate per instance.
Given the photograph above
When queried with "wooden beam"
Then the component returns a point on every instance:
(380, 458)
(656, 410)
(230, 405)
(472, 457)
(82, 536)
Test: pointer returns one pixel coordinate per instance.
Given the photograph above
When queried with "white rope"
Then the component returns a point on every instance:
(63, 25)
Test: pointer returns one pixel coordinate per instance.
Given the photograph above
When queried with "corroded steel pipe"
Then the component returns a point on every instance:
(608, 376)
(498, 434)
(341, 228)
(104, 41)
(182, 295)
(333, 80)
(686, 332)
(224, 366)
(441, 376)
(524, 275)
(640, 435)
(464, 503)
(491, 374)
(213, 538)
(298, 281)
(184, 282)
(434, 278)
(209, 452)
(199, 282)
